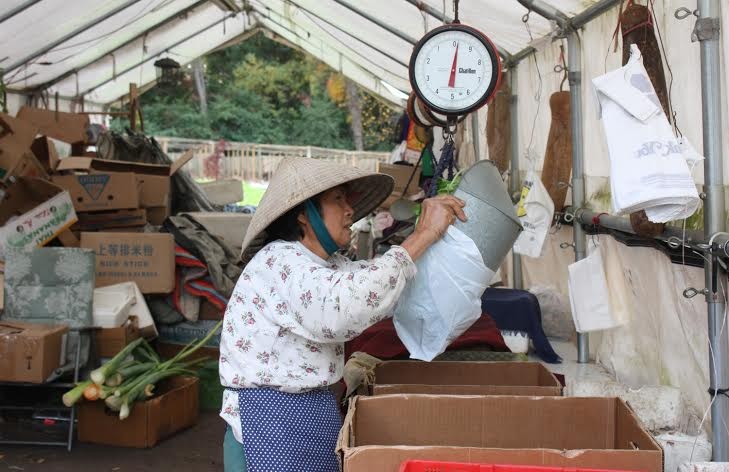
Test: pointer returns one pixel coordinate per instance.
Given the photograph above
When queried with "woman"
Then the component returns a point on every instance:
(298, 301)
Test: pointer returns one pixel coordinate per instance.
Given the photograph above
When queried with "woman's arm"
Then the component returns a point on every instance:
(330, 305)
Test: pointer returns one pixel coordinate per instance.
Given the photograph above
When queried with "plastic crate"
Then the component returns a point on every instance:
(437, 466)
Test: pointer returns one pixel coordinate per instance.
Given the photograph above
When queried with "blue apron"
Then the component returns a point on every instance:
(289, 432)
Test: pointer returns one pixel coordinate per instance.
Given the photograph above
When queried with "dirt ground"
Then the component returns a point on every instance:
(198, 449)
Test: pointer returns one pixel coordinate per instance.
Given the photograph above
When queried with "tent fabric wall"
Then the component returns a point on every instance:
(666, 337)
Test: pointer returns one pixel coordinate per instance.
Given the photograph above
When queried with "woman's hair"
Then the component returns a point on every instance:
(287, 226)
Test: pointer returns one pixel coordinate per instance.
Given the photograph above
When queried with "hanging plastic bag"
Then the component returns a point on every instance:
(535, 211)
(589, 294)
(444, 299)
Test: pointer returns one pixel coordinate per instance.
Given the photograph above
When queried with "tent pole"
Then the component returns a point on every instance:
(71, 34)
(440, 15)
(574, 64)
(515, 180)
(574, 49)
(707, 29)
(17, 10)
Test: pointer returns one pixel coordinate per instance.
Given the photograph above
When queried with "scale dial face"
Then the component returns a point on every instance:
(454, 69)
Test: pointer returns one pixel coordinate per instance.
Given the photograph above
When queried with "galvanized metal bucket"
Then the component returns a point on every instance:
(492, 222)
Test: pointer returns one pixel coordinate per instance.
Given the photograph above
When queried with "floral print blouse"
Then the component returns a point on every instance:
(291, 312)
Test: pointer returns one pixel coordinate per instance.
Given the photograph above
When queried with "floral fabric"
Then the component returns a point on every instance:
(50, 285)
(291, 312)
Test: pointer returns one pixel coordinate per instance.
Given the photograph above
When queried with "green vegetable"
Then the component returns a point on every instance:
(132, 374)
(107, 370)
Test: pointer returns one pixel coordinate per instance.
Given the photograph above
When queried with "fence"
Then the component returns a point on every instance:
(256, 162)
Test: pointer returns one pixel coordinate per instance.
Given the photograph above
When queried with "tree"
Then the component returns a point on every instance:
(265, 92)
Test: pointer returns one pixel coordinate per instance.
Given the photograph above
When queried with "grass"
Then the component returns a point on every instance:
(252, 193)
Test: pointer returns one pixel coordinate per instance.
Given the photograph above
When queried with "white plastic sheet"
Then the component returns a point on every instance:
(537, 219)
(444, 299)
(647, 167)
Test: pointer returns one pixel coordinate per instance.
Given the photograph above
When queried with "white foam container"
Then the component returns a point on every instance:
(138, 308)
(111, 308)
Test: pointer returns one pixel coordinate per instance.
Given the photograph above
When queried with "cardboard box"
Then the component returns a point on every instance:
(66, 127)
(32, 213)
(45, 150)
(381, 432)
(465, 378)
(222, 192)
(16, 138)
(100, 192)
(109, 341)
(29, 352)
(110, 220)
(156, 216)
(173, 409)
(145, 258)
(170, 350)
(401, 174)
(153, 181)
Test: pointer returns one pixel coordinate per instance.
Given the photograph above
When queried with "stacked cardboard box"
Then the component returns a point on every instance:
(111, 207)
(45, 197)
(488, 413)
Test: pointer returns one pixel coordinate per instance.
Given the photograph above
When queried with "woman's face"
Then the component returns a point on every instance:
(337, 215)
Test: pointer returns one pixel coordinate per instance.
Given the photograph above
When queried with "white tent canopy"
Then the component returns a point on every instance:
(78, 50)
(93, 50)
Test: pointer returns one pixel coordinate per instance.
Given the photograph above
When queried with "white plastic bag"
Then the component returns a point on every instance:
(444, 299)
(538, 212)
(648, 166)
(589, 294)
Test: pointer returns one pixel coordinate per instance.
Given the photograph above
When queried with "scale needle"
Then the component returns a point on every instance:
(452, 80)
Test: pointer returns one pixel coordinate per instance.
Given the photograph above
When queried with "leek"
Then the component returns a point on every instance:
(100, 375)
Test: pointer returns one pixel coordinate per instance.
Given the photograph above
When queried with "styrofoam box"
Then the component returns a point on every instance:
(111, 308)
(138, 308)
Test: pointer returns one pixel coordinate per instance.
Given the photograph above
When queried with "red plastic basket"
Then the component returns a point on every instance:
(436, 466)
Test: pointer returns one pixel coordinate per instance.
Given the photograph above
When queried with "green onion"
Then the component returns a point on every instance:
(100, 375)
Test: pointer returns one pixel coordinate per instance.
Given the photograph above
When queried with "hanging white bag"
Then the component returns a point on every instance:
(444, 299)
(589, 294)
(538, 212)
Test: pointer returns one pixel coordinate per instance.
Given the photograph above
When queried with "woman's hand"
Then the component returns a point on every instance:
(437, 214)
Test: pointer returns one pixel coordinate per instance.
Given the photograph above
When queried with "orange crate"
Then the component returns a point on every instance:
(436, 466)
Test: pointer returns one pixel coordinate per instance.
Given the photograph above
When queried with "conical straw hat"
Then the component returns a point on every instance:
(299, 178)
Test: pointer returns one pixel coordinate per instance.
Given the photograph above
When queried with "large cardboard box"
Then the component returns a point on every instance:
(173, 409)
(66, 127)
(381, 432)
(29, 352)
(153, 181)
(33, 212)
(109, 341)
(103, 220)
(16, 158)
(98, 191)
(145, 258)
(45, 150)
(465, 378)
(401, 174)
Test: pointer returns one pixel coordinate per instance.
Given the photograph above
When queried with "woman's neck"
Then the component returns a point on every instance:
(313, 245)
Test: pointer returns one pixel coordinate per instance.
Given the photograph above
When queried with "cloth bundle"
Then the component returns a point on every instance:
(648, 165)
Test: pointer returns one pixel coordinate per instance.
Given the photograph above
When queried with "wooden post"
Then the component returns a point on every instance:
(133, 106)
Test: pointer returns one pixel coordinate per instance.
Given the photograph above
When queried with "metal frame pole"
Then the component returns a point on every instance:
(574, 53)
(515, 179)
(574, 60)
(70, 35)
(708, 33)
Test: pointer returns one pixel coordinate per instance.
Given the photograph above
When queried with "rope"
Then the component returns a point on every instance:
(446, 161)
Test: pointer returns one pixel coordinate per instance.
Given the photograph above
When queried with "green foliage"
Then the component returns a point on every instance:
(262, 91)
